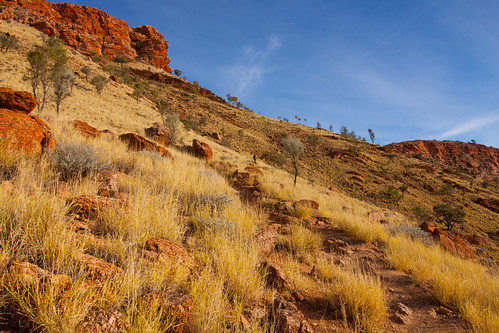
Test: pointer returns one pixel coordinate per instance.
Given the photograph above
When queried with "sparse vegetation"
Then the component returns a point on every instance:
(292, 149)
(99, 82)
(8, 42)
(448, 214)
(77, 159)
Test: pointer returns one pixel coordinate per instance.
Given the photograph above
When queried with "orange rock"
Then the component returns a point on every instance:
(453, 243)
(17, 100)
(159, 133)
(20, 131)
(86, 129)
(88, 30)
(174, 306)
(98, 269)
(136, 142)
(103, 321)
(428, 227)
(109, 183)
(202, 150)
(376, 216)
(251, 168)
(90, 207)
(161, 249)
(452, 153)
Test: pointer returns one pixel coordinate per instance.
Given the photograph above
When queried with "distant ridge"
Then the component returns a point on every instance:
(475, 158)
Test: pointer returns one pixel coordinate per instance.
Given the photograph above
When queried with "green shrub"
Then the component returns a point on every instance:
(448, 215)
(99, 82)
(8, 42)
(76, 159)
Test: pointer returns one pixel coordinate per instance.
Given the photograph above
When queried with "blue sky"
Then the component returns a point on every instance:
(407, 69)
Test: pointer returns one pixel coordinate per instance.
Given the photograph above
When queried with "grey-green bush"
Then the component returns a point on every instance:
(76, 159)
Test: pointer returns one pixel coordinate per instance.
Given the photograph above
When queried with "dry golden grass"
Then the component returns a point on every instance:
(161, 194)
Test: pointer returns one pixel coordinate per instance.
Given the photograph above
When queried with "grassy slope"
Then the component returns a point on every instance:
(190, 180)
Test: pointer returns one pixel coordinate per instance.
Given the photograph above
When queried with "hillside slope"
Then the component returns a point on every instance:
(250, 251)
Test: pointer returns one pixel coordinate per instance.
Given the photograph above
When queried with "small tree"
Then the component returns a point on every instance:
(344, 130)
(38, 67)
(330, 128)
(164, 109)
(138, 90)
(86, 70)
(448, 215)
(8, 42)
(62, 83)
(99, 82)
(319, 125)
(177, 72)
(371, 135)
(292, 149)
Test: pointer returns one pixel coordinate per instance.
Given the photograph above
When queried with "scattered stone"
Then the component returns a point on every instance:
(267, 241)
(376, 216)
(251, 168)
(217, 136)
(428, 227)
(280, 218)
(399, 319)
(114, 78)
(109, 184)
(136, 142)
(98, 269)
(173, 304)
(338, 246)
(444, 311)
(90, 207)
(26, 273)
(402, 309)
(86, 129)
(298, 296)
(453, 244)
(289, 319)
(202, 150)
(158, 249)
(490, 204)
(275, 276)
(103, 321)
(159, 133)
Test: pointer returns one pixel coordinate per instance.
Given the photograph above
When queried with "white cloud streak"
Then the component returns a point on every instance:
(470, 125)
(252, 66)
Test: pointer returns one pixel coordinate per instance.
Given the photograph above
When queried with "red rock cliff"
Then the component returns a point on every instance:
(473, 157)
(89, 30)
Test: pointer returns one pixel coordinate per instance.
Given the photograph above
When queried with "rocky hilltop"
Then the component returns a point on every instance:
(473, 157)
(89, 30)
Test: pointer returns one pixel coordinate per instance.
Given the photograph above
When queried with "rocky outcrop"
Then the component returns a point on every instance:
(451, 243)
(202, 150)
(91, 207)
(89, 30)
(86, 129)
(470, 156)
(159, 133)
(158, 249)
(490, 204)
(17, 100)
(136, 142)
(18, 129)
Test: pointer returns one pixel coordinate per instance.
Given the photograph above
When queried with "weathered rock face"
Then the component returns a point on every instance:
(86, 129)
(473, 157)
(136, 142)
(162, 249)
(159, 133)
(89, 30)
(16, 100)
(202, 150)
(18, 129)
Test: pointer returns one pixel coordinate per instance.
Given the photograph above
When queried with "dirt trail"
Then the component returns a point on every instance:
(425, 314)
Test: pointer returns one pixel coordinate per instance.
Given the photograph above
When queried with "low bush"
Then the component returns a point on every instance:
(77, 159)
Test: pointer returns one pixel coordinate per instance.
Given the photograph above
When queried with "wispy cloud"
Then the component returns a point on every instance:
(251, 67)
(470, 125)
